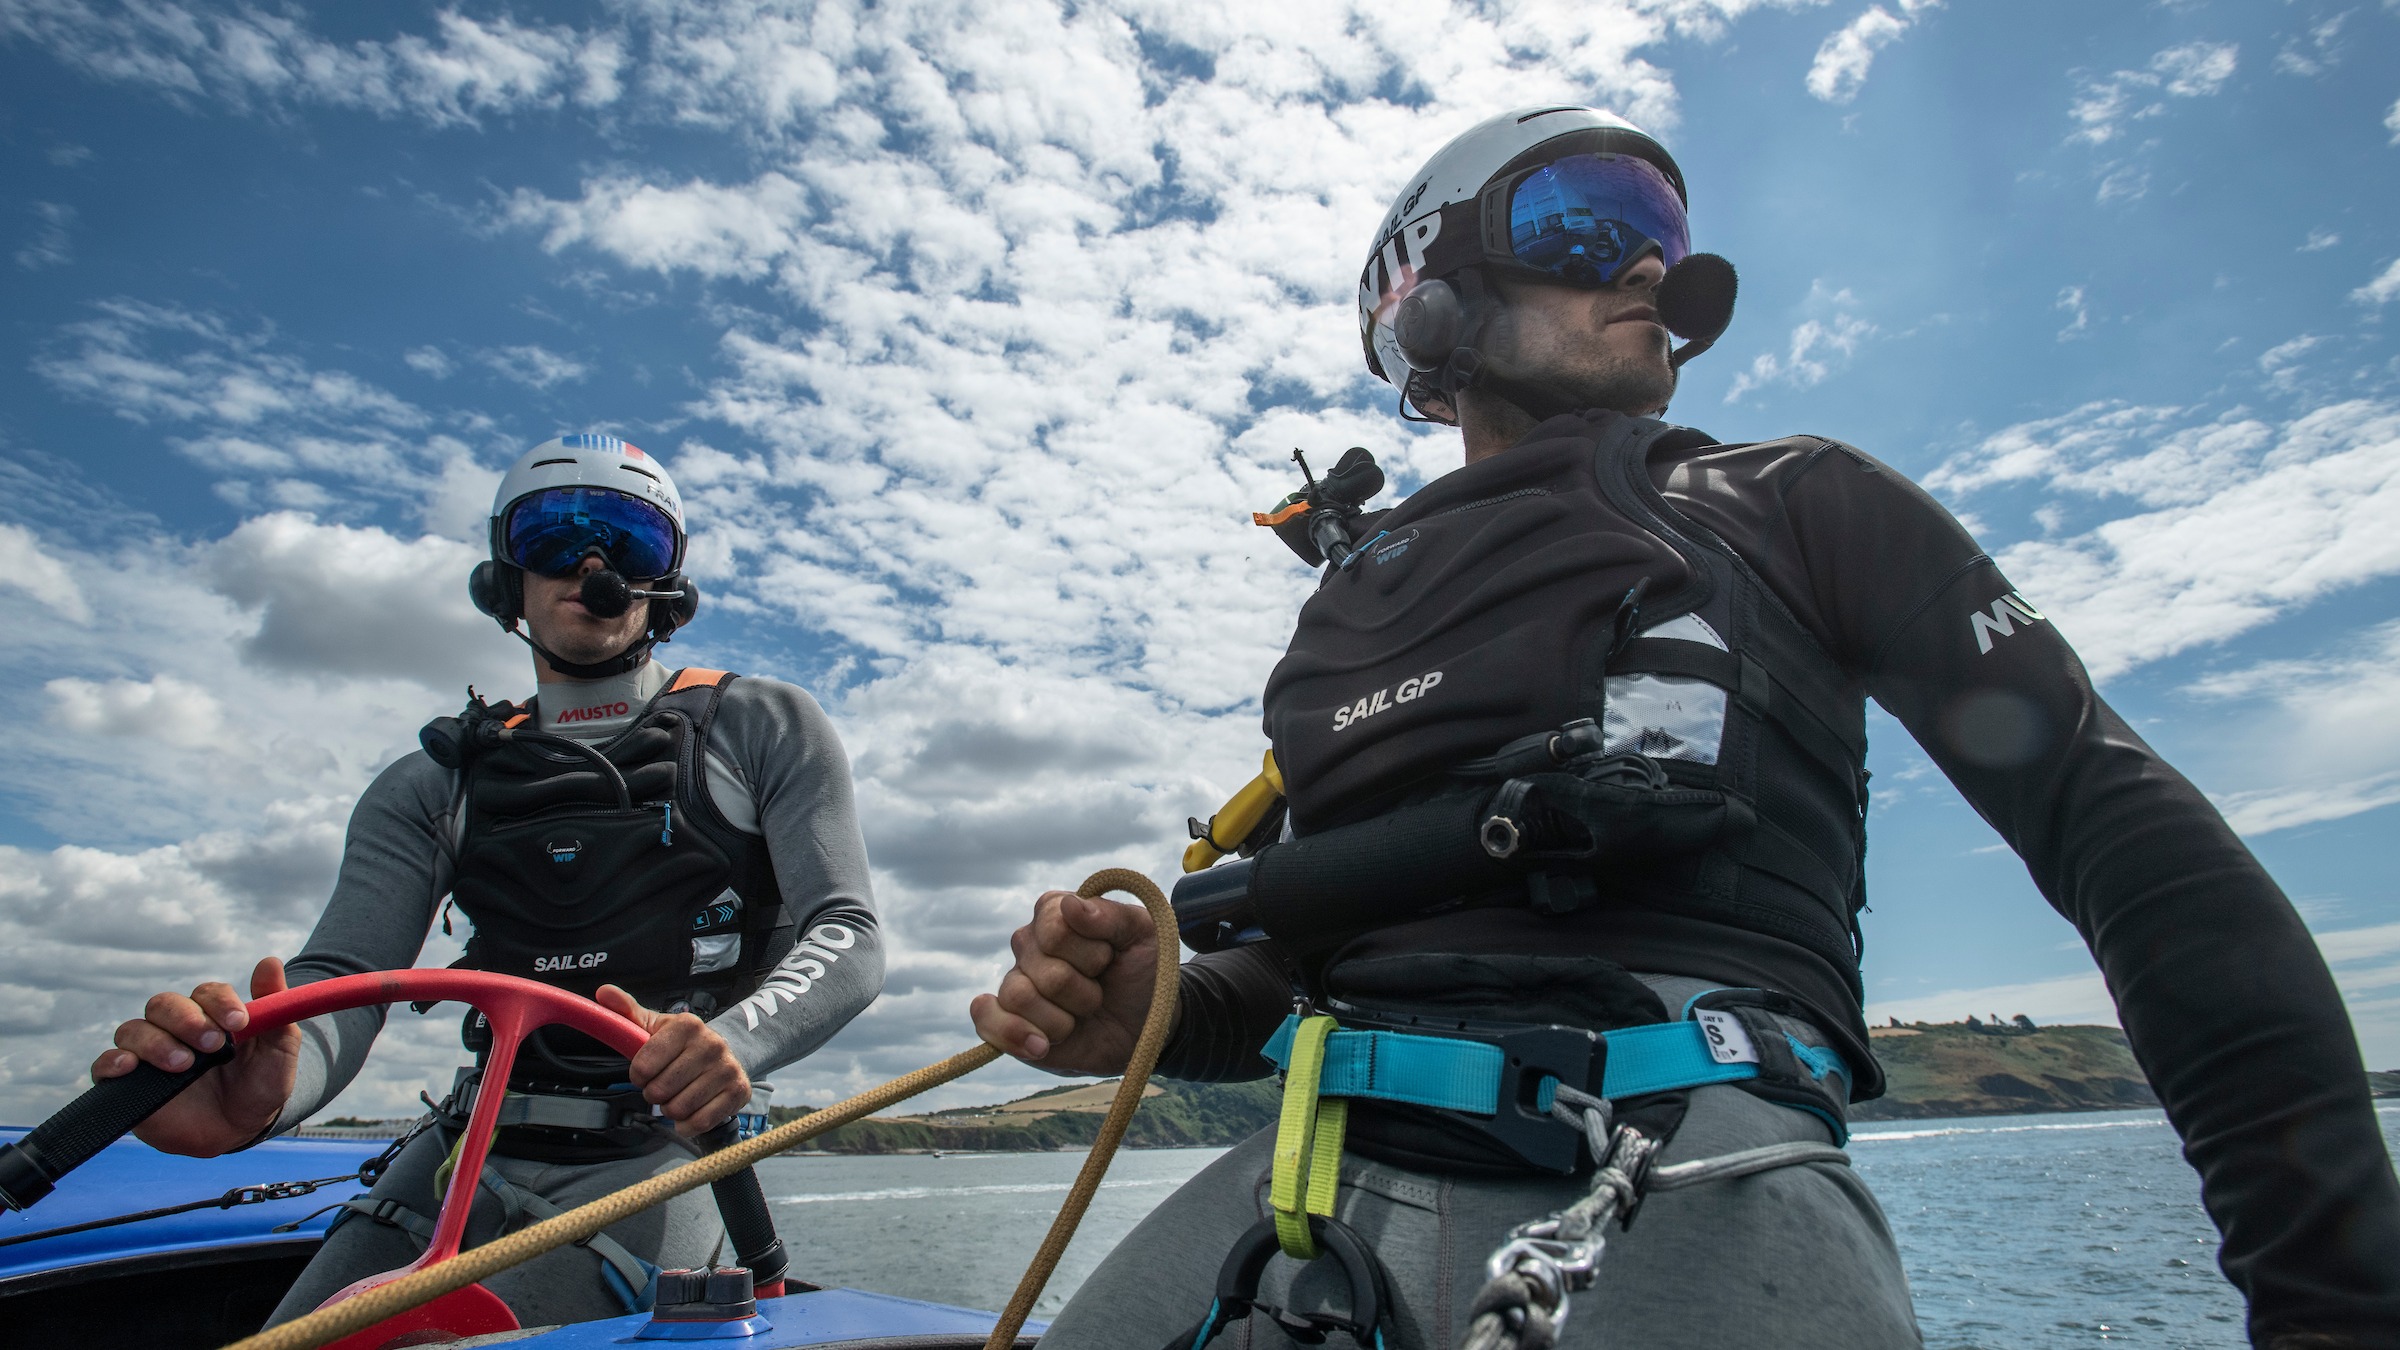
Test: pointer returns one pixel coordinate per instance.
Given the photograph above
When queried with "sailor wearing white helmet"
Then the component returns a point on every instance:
(679, 844)
(1572, 934)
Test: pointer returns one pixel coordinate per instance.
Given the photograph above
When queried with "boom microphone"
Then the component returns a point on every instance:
(1695, 302)
(606, 594)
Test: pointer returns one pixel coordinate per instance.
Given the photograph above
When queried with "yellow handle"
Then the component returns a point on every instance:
(1234, 821)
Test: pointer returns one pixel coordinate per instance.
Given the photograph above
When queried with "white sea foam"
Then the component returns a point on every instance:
(944, 1192)
(2383, 1108)
(2156, 1121)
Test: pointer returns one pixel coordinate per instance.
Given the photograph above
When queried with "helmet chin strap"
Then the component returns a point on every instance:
(596, 670)
(1469, 368)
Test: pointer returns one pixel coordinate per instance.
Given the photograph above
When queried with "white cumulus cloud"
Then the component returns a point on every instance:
(2313, 503)
(1817, 346)
(1840, 68)
(2105, 106)
(27, 566)
(466, 69)
(48, 245)
(2384, 289)
(533, 365)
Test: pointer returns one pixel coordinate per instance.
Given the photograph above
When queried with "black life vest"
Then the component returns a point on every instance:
(572, 885)
(1511, 596)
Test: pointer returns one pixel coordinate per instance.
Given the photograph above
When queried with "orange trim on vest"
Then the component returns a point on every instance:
(693, 677)
(518, 720)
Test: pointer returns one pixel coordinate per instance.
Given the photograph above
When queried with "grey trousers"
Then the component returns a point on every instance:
(1795, 1258)
(558, 1287)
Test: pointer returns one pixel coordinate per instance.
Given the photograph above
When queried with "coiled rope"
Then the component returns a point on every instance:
(420, 1287)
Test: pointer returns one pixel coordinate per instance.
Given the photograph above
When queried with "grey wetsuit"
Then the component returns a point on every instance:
(775, 768)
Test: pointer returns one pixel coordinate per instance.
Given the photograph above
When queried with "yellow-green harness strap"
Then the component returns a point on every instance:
(1308, 1143)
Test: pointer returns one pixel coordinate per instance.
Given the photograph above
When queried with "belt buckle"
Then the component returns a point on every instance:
(1521, 1118)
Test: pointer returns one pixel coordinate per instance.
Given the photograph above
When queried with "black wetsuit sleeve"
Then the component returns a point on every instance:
(1228, 1003)
(2221, 990)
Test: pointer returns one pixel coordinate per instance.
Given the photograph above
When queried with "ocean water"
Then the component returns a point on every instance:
(2017, 1231)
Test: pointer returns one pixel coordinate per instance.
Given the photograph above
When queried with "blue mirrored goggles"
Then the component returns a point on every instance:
(550, 532)
(1585, 218)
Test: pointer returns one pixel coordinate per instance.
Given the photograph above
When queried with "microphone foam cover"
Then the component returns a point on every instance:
(606, 594)
(1355, 477)
(1695, 298)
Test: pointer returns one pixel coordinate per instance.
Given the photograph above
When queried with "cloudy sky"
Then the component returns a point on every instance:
(973, 332)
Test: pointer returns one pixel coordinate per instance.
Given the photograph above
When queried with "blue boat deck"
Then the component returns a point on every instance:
(201, 1272)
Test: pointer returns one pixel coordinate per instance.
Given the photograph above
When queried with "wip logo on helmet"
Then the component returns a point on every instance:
(1389, 274)
(1408, 691)
(2006, 613)
(595, 712)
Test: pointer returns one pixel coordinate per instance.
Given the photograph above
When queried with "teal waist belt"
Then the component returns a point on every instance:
(1458, 1074)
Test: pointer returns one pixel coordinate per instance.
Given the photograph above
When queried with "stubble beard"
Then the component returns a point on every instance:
(1585, 368)
(588, 649)
(1596, 375)
(584, 645)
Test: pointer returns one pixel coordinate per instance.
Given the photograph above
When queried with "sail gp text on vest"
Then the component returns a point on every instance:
(1409, 691)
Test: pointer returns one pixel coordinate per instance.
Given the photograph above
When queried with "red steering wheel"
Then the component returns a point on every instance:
(515, 1008)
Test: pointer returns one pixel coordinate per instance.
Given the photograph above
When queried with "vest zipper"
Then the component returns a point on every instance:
(666, 823)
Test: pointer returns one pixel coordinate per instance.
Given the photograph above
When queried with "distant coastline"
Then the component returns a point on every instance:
(1972, 1068)
(1933, 1069)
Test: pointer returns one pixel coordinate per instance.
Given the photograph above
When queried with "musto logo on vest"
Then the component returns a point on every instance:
(1408, 691)
(596, 712)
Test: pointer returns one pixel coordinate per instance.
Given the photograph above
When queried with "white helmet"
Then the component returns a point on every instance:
(588, 460)
(1454, 217)
(575, 496)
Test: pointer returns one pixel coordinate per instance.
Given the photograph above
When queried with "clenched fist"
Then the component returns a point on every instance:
(1075, 1000)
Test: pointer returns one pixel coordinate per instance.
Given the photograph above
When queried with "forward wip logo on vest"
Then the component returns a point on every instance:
(595, 712)
(2006, 613)
(1409, 691)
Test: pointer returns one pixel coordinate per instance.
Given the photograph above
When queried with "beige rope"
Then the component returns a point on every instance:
(424, 1286)
(1120, 1112)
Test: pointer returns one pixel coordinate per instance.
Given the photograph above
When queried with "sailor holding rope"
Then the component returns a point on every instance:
(1548, 904)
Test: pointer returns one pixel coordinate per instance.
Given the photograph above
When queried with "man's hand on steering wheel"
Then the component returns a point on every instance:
(233, 1104)
(687, 1070)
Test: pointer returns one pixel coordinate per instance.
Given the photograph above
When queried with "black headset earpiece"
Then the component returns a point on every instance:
(1430, 325)
(497, 590)
(668, 615)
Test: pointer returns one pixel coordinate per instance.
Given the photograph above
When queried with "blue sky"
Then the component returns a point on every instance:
(973, 332)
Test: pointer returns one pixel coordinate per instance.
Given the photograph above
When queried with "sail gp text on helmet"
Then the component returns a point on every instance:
(1408, 691)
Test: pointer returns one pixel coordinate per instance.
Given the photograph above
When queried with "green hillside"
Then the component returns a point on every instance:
(1173, 1115)
(1966, 1069)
